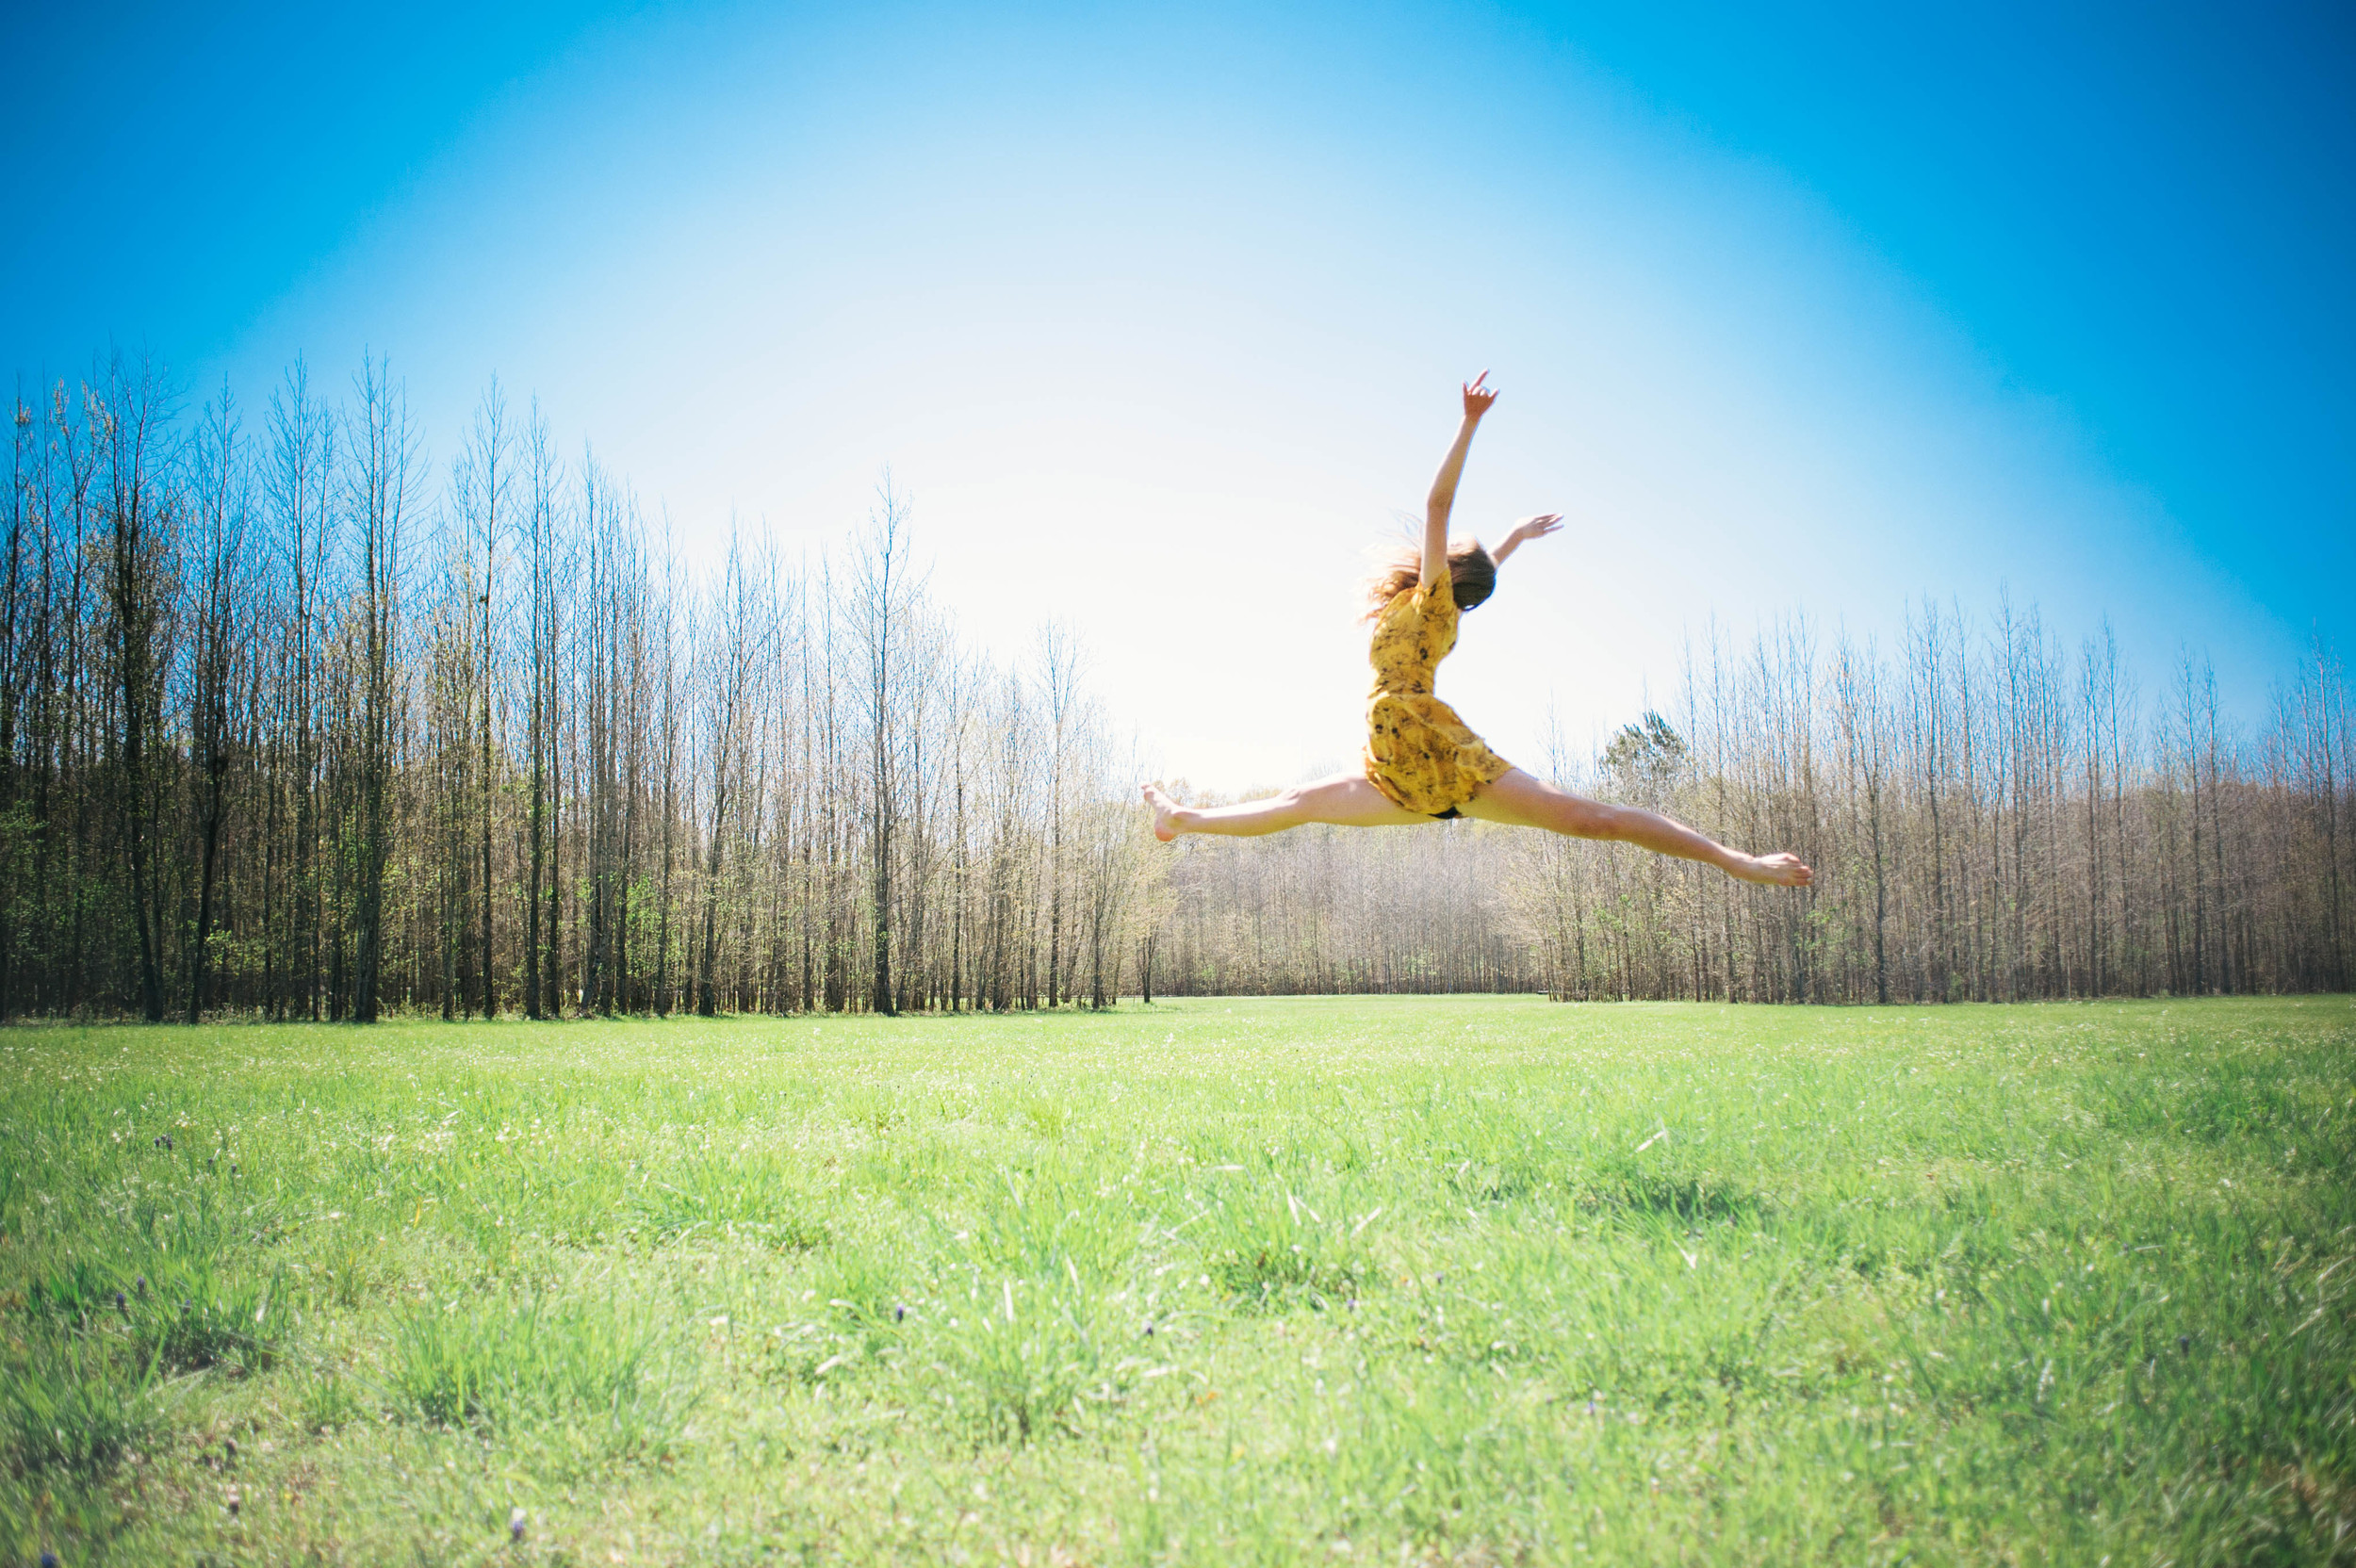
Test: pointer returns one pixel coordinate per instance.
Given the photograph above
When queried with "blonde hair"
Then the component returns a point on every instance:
(1472, 575)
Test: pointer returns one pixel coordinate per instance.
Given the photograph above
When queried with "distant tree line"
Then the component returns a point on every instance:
(295, 724)
(1994, 815)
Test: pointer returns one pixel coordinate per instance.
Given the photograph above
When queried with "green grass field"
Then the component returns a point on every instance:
(1445, 1280)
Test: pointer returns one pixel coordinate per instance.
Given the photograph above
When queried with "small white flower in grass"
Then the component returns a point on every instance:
(514, 1524)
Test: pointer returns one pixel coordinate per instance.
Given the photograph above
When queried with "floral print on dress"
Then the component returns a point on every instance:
(1419, 752)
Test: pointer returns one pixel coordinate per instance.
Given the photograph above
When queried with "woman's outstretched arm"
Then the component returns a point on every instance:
(1524, 532)
(1442, 498)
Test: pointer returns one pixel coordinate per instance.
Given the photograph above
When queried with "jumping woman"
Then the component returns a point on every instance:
(1421, 763)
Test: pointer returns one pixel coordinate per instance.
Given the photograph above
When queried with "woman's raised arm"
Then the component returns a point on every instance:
(1442, 498)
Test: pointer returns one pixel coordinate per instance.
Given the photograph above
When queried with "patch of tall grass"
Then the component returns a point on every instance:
(73, 1407)
(603, 1369)
(726, 1195)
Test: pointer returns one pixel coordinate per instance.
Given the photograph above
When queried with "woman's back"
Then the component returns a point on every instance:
(1414, 631)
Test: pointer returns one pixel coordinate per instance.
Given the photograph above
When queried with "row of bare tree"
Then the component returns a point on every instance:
(294, 723)
(1993, 815)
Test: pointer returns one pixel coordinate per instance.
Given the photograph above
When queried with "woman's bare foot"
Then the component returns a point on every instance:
(1777, 871)
(1166, 812)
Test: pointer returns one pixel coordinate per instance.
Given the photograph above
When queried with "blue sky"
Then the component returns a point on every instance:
(1158, 315)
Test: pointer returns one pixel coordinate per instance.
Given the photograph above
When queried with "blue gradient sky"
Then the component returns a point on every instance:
(1158, 316)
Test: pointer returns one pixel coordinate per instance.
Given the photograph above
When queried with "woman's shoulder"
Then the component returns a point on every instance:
(1436, 598)
(1417, 603)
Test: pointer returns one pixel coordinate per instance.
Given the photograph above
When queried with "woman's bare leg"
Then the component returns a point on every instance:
(1521, 801)
(1346, 800)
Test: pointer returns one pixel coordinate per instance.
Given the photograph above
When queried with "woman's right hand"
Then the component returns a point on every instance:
(1478, 397)
(1534, 528)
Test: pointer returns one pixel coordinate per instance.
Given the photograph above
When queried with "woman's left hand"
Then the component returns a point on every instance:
(1536, 528)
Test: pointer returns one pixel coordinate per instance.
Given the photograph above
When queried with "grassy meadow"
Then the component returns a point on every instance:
(1220, 1281)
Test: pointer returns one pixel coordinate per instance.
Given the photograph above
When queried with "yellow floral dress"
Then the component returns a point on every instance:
(1419, 752)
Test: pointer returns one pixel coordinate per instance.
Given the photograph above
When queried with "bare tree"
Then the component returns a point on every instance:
(382, 476)
(141, 514)
(880, 588)
(26, 555)
(725, 667)
(482, 483)
(542, 628)
(1856, 687)
(220, 627)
